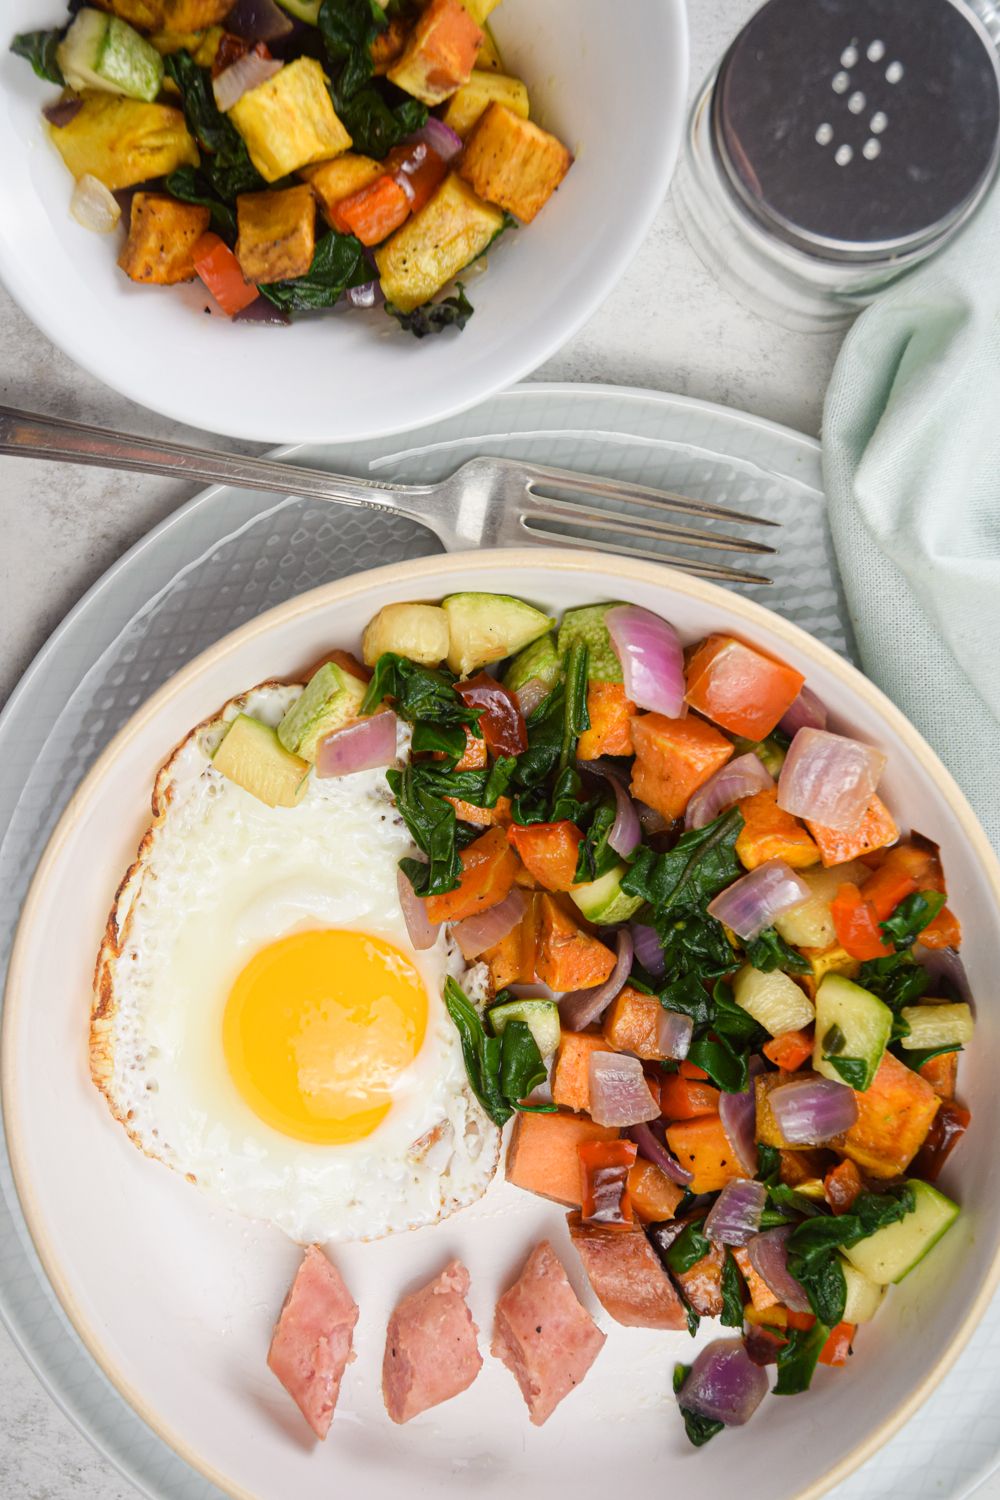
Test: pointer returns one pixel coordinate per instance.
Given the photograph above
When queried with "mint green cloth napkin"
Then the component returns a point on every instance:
(911, 459)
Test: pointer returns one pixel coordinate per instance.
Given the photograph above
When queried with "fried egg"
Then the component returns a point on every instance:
(261, 1022)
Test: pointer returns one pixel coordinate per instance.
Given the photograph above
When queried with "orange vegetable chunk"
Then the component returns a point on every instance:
(488, 869)
(654, 1195)
(941, 1073)
(760, 1293)
(839, 845)
(769, 832)
(703, 1147)
(220, 271)
(440, 54)
(604, 1169)
(512, 960)
(630, 1023)
(740, 688)
(610, 731)
(544, 1154)
(571, 1070)
(944, 932)
(841, 1186)
(838, 1346)
(373, 212)
(568, 958)
(856, 924)
(789, 1050)
(673, 758)
(686, 1098)
(894, 1117)
(549, 851)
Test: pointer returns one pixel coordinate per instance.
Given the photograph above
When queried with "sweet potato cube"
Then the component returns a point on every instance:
(894, 1116)
(332, 181)
(570, 1072)
(193, 15)
(277, 236)
(875, 831)
(760, 1293)
(289, 121)
(550, 851)
(739, 687)
(769, 832)
(470, 103)
(544, 1154)
(941, 1073)
(703, 1147)
(673, 758)
(489, 865)
(631, 1023)
(568, 958)
(611, 715)
(512, 961)
(654, 1195)
(484, 817)
(512, 162)
(702, 1284)
(162, 234)
(627, 1275)
(440, 54)
(432, 247)
(389, 45)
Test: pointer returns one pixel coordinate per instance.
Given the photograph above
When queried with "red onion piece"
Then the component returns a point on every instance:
(481, 931)
(367, 295)
(258, 21)
(242, 76)
(829, 778)
(652, 659)
(949, 980)
(440, 137)
(674, 1032)
(578, 1008)
(738, 1117)
(63, 111)
(531, 695)
(751, 903)
(762, 1344)
(619, 1093)
(363, 745)
(626, 832)
(93, 206)
(734, 1217)
(262, 312)
(807, 712)
(654, 1150)
(648, 949)
(768, 1254)
(724, 1384)
(813, 1110)
(738, 778)
(651, 820)
(422, 933)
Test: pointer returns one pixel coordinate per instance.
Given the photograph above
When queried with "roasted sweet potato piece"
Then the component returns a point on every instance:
(570, 1076)
(512, 961)
(789, 1050)
(333, 181)
(654, 1195)
(631, 1021)
(941, 1073)
(277, 238)
(841, 1186)
(193, 15)
(945, 931)
(683, 1098)
(484, 817)
(568, 958)
(544, 1157)
(702, 1284)
(703, 1147)
(611, 715)
(440, 53)
(627, 1276)
(162, 235)
(838, 845)
(673, 758)
(488, 869)
(760, 1293)
(894, 1116)
(513, 162)
(769, 832)
(389, 45)
(549, 851)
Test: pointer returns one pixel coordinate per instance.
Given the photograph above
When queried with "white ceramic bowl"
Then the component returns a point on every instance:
(176, 1300)
(610, 80)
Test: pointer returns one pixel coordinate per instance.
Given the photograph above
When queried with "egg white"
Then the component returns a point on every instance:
(219, 877)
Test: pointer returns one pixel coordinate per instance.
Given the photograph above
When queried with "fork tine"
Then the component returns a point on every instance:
(634, 494)
(720, 572)
(602, 520)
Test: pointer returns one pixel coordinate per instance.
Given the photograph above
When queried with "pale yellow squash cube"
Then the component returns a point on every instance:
(123, 141)
(290, 121)
(510, 161)
(447, 233)
(333, 181)
(146, 14)
(193, 15)
(466, 107)
(277, 238)
(488, 57)
(480, 10)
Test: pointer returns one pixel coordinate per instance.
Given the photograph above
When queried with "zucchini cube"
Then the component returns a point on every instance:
(441, 52)
(277, 233)
(514, 163)
(289, 121)
(433, 246)
(162, 235)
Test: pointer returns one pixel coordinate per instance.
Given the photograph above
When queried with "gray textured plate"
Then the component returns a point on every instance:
(229, 555)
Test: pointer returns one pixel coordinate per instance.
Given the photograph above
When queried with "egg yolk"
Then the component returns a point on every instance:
(317, 1029)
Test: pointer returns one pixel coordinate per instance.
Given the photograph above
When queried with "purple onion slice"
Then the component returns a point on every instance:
(734, 1217)
(652, 658)
(768, 1254)
(829, 778)
(724, 1384)
(647, 1138)
(810, 1111)
(738, 778)
(619, 1093)
(807, 712)
(648, 949)
(579, 1008)
(751, 903)
(477, 933)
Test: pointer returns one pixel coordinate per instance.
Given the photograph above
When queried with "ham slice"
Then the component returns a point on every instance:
(627, 1275)
(544, 1335)
(311, 1346)
(431, 1352)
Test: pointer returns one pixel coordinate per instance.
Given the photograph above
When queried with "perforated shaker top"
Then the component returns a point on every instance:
(858, 129)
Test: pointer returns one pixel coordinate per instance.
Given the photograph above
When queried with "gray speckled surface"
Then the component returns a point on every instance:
(668, 326)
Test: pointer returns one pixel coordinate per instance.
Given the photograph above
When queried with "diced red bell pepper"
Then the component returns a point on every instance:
(789, 1050)
(423, 169)
(944, 932)
(691, 1070)
(373, 212)
(687, 1098)
(500, 718)
(220, 271)
(947, 1129)
(857, 925)
(838, 1346)
(841, 1186)
(604, 1195)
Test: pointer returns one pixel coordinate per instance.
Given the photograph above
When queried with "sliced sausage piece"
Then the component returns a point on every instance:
(430, 1348)
(627, 1275)
(543, 1334)
(311, 1346)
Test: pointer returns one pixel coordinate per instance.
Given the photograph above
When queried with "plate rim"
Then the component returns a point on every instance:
(532, 560)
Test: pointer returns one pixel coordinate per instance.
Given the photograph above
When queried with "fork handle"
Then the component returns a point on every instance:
(29, 435)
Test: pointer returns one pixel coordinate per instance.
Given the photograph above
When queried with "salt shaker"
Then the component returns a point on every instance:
(837, 145)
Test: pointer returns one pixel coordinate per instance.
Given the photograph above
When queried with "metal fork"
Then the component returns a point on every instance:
(488, 502)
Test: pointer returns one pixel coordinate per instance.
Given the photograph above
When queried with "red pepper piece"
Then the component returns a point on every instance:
(604, 1195)
(500, 719)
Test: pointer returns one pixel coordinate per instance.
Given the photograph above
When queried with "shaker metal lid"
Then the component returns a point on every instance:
(858, 129)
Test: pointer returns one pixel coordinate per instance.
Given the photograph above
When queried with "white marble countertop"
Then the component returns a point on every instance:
(668, 326)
